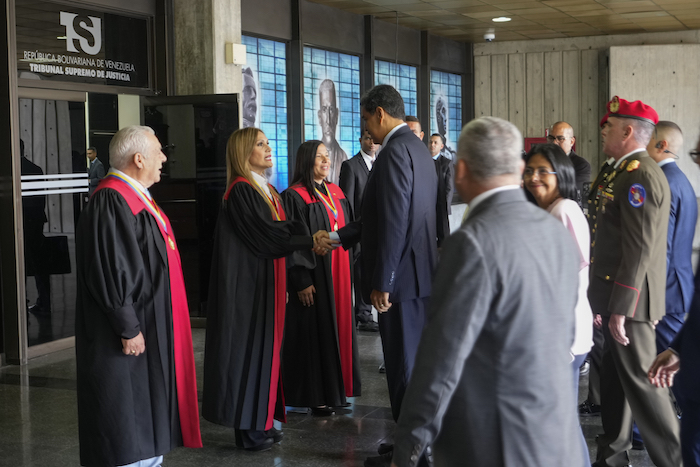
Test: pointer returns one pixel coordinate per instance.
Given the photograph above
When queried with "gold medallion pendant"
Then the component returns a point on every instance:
(171, 243)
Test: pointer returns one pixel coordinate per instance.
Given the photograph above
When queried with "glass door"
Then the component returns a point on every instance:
(54, 181)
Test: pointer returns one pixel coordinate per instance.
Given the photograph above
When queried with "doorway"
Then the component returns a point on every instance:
(54, 180)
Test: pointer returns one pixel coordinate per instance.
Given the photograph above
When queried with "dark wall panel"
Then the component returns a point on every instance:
(256, 18)
(385, 43)
(448, 55)
(331, 28)
(145, 7)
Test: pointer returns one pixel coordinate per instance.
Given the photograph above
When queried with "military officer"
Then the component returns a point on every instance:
(627, 288)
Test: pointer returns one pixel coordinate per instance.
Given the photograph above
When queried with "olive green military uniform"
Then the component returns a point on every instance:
(628, 277)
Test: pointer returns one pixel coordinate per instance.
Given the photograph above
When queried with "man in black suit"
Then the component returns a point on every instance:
(96, 170)
(398, 238)
(443, 167)
(562, 134)
(353, 178)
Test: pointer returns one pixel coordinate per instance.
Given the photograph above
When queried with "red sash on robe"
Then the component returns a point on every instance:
(280, 274)
(340, 270)
(185, 376)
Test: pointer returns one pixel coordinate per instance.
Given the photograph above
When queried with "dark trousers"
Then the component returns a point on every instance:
(595, 357)
(690, 431)
(625, 392)
(363, 311)
(575, 366)
(401, 328)
(666, 331)
(250, 438)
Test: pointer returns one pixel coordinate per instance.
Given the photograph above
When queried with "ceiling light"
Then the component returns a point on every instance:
(501, 19)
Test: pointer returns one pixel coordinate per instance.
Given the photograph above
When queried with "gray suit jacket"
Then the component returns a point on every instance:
(492, 383)
(96, 172)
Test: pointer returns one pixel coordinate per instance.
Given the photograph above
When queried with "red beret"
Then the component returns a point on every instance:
(624, 109)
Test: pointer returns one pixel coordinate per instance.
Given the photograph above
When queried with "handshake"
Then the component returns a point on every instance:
(323, 243)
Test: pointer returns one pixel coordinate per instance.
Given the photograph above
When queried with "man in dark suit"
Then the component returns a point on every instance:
(399, 252)
(666, 143)
(562, 134)
(683, 357)
(471, 396)
(96, 170)
(353, 178)
(628, 288)
(443, 167)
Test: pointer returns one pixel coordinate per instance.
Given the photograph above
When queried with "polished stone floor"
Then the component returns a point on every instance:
(39, 427)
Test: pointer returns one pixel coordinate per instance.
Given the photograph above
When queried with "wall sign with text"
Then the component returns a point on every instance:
(58, 42)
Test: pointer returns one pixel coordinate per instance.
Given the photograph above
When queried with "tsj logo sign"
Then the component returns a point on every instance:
(95, 29)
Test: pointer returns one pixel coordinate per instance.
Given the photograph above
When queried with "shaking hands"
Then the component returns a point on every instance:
(323, 243)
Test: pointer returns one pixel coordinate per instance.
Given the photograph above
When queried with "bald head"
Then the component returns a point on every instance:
(666, 141)
(562, 134)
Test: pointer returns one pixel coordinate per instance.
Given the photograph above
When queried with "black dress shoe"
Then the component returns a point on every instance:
(587, 409)
(275, 435)
(383, 460)
(322, 411)
(264, 446)
(369, 326)
(39, 310)
(382, 368)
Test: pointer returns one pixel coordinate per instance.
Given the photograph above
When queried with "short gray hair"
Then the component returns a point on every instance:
(127, 142)
(490, 146)
(642, 130)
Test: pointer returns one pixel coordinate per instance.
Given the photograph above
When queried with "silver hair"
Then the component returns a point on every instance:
(127, 142)
(642, 130)
(490, 146)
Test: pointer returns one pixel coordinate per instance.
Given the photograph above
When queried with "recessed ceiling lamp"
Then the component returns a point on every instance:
(501, 19)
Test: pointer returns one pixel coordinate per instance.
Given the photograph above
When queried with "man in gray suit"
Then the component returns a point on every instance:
(96, 170)
(492, 383)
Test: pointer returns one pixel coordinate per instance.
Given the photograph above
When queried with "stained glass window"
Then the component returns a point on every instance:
(446, 108)
(265, 100)
(335, 78)
(401, 77)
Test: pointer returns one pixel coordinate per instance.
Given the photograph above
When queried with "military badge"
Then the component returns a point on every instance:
(624, 163)
(633, 165)
(637, 195)
(614, 105)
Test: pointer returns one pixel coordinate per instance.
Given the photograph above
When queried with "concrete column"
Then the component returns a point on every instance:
(201, 31)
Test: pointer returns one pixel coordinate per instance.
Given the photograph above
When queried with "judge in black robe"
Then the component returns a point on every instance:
(247, 295)
(320, 359)
(137, 392)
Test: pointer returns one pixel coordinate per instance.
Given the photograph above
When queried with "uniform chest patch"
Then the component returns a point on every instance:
(637, 195)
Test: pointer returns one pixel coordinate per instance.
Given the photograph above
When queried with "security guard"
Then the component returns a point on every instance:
(627, 288)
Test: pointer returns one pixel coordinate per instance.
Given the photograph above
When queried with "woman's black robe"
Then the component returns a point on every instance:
(241, 366)
(315, 355)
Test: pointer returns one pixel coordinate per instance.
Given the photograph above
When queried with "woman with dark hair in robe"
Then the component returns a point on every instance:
(247, 297)
(320, 364)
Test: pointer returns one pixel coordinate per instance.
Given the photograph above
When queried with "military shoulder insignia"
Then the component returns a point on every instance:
(623, 164)
(633, 165)
(614, 105)
(637, 195)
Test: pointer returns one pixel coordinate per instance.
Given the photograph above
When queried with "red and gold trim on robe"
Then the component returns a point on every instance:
(280, 273)
(340, 270)
(185, 376)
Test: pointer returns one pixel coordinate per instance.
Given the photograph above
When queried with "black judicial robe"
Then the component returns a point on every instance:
(320, 358)
(245, 311)
(128, 406)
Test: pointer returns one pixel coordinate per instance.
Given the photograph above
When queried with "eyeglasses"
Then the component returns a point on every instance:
(695, 155)
(529, 173)
(560, 138)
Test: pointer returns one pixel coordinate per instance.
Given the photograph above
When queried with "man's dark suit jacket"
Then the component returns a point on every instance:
(583, 174)
(96, 172)
(443, 167)
(399, 252)
(353, 178)
(679, 248)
